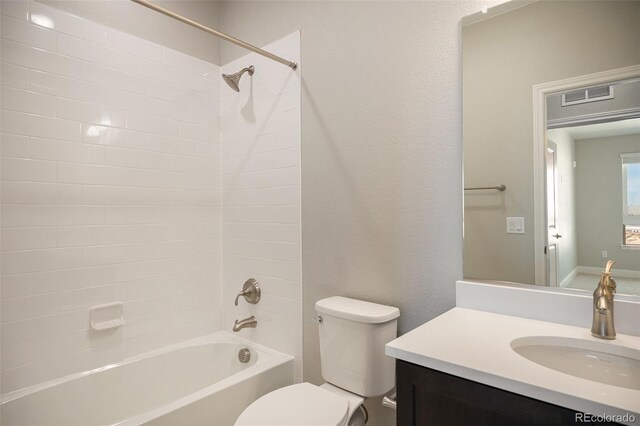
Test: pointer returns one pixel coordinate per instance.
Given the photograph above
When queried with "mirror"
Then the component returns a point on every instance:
(551, 127)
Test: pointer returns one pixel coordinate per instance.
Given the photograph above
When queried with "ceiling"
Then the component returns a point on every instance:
(603, 130)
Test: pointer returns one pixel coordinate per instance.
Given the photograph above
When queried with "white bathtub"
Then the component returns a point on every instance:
(200, 382)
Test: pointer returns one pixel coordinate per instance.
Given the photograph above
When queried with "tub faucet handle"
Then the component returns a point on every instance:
(242, 293)
(250, 291)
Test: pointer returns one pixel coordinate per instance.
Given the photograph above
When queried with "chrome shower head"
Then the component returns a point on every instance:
(233, 80)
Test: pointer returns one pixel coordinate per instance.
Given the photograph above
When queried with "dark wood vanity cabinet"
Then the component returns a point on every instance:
(429, 397)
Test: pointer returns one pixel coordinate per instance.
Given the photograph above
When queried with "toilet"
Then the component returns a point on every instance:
(353, 334)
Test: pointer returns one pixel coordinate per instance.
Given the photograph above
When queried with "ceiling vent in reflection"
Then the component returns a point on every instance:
(584, 96)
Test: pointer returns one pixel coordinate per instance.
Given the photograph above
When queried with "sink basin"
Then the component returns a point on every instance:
(597, 361)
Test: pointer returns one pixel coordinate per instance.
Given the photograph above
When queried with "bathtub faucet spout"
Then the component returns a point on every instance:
(250, 322)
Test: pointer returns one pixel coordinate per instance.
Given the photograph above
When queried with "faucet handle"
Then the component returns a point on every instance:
(250, 291)
(609, 266)
(609, 282)
(242, 293)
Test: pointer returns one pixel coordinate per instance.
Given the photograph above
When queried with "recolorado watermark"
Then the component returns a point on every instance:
(602, 418)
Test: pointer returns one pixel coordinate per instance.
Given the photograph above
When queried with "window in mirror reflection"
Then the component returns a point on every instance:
(631, 199)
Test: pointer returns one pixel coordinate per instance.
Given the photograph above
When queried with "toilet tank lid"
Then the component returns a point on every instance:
(357, 310)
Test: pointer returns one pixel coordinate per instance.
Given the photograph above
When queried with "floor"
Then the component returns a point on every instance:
(590, 281)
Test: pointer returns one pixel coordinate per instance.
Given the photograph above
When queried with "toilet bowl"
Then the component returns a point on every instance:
(353, 334)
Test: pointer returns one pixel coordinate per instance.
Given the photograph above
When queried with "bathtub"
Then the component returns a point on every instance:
(200, 382)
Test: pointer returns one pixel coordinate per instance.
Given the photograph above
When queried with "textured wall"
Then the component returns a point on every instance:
(260, 141)
(381, 151)
(503, 58)
(110, 192)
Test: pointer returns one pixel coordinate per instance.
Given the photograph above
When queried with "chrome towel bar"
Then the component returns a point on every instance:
(500, 188)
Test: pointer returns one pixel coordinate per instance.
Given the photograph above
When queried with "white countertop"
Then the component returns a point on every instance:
(476, 345)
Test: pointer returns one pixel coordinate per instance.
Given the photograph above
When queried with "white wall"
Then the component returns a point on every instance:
(599, 201)
(110, 192)
(381, 151)
(260, 136)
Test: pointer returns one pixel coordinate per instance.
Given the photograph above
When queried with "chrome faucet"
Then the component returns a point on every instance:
(250, 322)
(603, 326)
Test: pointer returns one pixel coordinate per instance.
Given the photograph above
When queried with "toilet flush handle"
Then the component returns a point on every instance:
(317, 319)
(390, 401)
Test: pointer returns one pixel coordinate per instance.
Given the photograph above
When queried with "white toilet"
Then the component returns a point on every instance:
(353, 334)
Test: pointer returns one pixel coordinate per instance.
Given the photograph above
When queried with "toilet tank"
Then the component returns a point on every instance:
(353, 334)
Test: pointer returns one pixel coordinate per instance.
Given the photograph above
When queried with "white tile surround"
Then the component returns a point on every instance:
(110, 192)
(260, 141)
(116, 163)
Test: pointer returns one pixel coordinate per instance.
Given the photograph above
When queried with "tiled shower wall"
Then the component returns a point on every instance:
(260, 139)
(110, 192)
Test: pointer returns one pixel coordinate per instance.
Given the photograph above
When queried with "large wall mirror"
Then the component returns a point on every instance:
(551, 124)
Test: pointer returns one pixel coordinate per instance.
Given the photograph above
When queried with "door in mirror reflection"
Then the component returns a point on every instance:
(553, 237)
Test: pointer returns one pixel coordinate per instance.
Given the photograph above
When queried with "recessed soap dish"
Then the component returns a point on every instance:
(107, 316)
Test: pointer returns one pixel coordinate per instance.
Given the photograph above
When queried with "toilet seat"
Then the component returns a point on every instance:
(302, 404)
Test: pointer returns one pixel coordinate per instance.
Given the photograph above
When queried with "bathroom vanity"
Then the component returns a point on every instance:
(431, 397)
(523, 354)
(470, 366)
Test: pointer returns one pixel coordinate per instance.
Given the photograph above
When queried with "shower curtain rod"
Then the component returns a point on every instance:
(223, 36)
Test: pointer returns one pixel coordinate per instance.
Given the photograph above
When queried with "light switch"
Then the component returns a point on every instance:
(515, 225)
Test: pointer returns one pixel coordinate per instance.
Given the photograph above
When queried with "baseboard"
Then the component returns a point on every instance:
(622, 273)
(570, 276)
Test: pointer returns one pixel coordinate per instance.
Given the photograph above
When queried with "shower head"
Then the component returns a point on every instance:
(233, 80)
